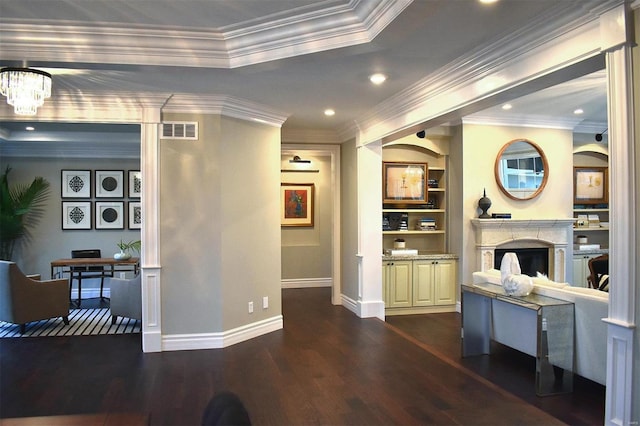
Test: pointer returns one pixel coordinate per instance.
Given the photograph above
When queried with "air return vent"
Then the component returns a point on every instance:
(180, 130)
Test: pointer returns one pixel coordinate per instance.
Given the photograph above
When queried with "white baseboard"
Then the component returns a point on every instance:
(181, 342)
(364, 309)
(307, 282)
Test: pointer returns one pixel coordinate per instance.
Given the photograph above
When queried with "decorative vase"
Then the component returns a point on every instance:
(122, 255)
(484, 203)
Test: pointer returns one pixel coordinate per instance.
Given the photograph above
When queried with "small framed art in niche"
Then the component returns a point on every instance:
(404, 183)
(297, 204)
(590, 185)
(76, 184)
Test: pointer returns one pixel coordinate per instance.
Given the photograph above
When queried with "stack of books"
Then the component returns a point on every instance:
(427, 224)
(594, 221)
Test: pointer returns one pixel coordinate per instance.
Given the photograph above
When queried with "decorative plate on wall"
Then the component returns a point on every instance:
(109, 215)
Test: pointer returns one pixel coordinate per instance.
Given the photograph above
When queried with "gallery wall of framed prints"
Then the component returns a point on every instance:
(96, 199)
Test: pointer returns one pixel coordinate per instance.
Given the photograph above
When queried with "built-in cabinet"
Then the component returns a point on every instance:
(425, 282)
(581, 269)
(420, 285)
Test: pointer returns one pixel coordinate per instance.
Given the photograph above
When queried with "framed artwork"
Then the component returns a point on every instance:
(135, 183)
(297, 204)
(76, 184)
(590, 185)
(109, 215)
(135, 215)
(404, 183)
(109, 183)
(76, 215)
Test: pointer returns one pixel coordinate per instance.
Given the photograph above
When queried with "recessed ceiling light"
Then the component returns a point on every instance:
(488, 1)
(30, 128)
(506, 107)
(578, 111)
(377, 78)
(329, 112)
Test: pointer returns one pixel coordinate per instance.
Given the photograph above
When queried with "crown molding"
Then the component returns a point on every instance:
(252, 42)
(227, 106)
(521, 121)
(538, 49)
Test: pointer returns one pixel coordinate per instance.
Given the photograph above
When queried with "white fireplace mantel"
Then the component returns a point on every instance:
(522, 233)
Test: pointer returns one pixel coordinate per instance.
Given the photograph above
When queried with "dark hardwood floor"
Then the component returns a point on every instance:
(326, 367)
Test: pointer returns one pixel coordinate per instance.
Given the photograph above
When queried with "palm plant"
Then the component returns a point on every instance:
(20, 207)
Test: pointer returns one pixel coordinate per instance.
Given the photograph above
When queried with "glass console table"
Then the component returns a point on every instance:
(536, 325)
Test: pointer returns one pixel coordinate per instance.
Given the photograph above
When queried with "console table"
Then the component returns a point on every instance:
(539, 326)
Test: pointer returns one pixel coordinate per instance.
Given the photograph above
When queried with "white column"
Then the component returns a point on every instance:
(150, 232)
(369, 173)
(621, 331)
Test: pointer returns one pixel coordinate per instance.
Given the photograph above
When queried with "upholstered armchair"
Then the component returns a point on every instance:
(126, 297)
(23, 300)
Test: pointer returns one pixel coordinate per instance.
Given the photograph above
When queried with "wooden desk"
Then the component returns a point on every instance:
(70, 266)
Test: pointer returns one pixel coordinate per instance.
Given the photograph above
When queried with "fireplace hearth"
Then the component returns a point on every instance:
(553, 236)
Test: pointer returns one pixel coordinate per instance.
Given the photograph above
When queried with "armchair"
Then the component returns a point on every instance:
(599, 272)
(126, 297)
(23, 300)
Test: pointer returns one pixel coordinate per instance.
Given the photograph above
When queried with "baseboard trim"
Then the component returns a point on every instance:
(307, 282)
(181, 342)
(364, 309)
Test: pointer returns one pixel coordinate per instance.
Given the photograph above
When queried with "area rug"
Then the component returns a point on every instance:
(82, 322)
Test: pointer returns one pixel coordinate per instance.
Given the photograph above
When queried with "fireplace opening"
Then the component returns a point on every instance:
(532, 260)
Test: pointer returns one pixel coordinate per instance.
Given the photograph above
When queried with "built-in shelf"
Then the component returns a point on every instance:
(590, 210)
(413, 210)
(437, 231)
(585, 229)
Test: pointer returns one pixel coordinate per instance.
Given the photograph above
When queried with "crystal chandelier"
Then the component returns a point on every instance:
(25, 88)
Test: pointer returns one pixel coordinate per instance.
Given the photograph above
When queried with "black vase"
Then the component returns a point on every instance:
(484, 203)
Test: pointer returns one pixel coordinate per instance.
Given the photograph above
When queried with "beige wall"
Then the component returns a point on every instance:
(219, 225)
(480, 146)
(349, 216)
(307, 251)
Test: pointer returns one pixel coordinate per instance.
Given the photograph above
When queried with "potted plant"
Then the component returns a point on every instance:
(125, 249)
(20, 208)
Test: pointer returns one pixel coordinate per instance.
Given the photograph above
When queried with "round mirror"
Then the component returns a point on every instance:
(521, 169)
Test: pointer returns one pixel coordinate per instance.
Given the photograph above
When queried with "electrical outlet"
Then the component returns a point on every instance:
(265, 302)
(250, 307)
(123, 275)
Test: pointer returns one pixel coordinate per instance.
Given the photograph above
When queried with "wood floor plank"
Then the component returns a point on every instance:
(326, 367)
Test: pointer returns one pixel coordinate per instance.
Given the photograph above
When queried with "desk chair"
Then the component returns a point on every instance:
(79, 272)
(599, 272)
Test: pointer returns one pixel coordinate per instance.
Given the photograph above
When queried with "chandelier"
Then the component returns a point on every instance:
(25, 88)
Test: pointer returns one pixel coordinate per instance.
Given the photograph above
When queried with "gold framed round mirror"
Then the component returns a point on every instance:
(521, 169)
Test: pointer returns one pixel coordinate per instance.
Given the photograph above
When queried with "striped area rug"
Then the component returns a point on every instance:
(82, 322)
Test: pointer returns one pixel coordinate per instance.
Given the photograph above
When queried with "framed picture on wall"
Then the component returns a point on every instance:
(297, 204)
(590, 185)
(404, 183)
(135, 183)
(76, 215)
(109, 215)
(109, 183)
(135, 215)
(76, 183)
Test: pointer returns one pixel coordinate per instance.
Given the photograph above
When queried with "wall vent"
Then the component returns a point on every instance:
(180, 130)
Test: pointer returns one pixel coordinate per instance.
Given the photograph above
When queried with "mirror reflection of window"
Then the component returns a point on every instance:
(520, 169)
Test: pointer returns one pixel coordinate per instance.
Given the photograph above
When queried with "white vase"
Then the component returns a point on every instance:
(122, 256)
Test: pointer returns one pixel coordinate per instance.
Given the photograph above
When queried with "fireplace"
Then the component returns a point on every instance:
(551, 235)
(532, 260)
